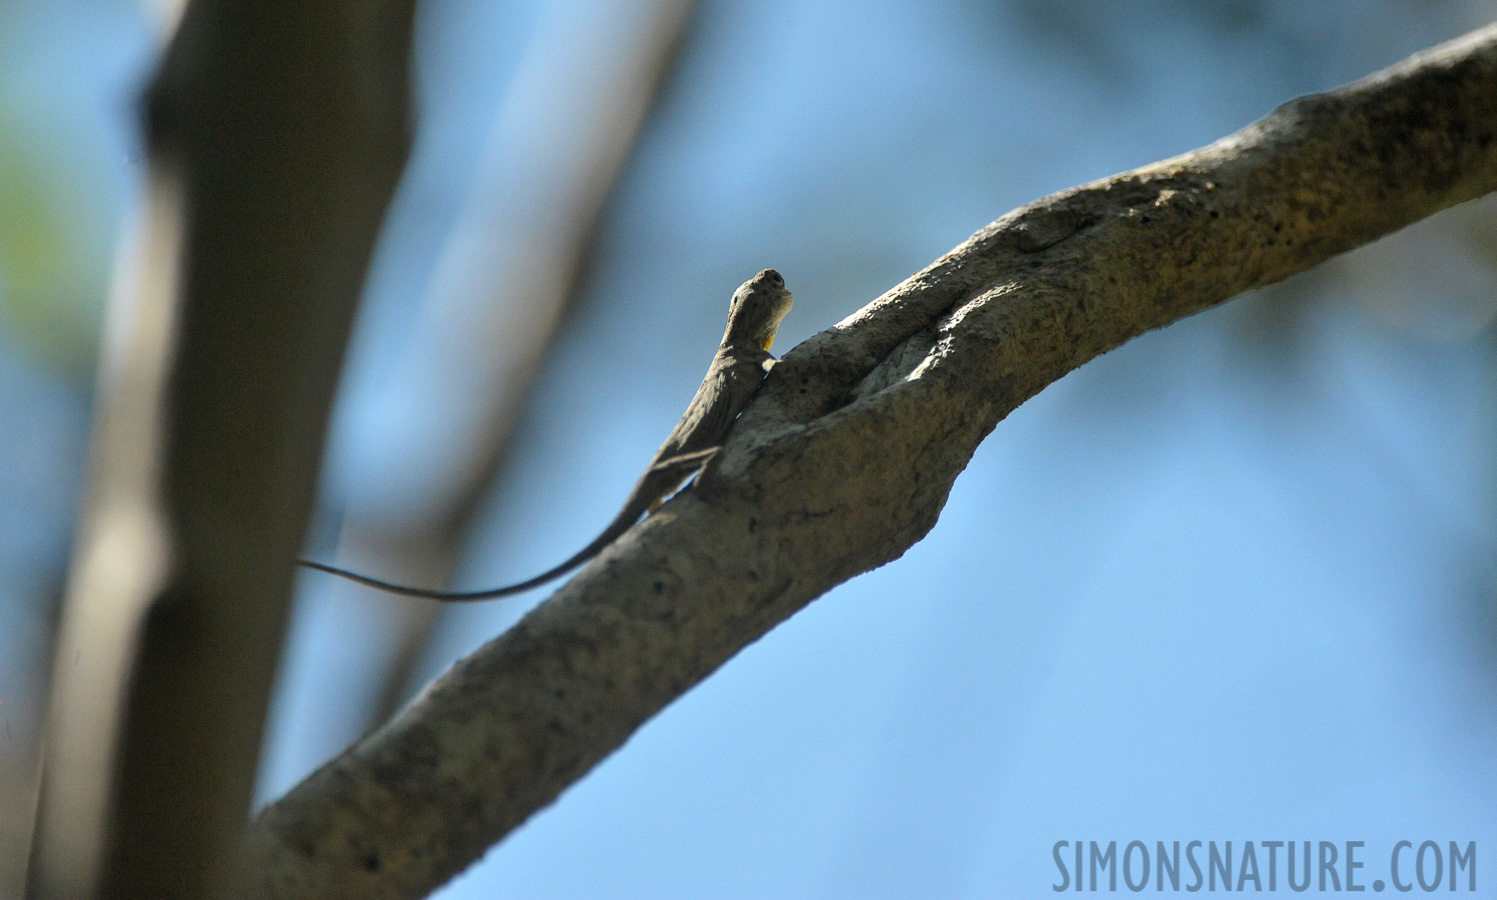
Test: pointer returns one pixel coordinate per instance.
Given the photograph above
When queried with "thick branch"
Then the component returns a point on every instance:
(847, 456)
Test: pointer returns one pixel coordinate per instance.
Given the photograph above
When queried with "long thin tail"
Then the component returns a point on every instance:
(582, 556)
(660, 479)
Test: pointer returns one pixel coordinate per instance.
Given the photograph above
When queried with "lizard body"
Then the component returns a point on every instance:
(734, 377)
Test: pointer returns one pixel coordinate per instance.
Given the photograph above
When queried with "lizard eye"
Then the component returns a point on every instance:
(774, 278)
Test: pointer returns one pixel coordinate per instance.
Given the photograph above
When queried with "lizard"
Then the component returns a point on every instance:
(739, 367)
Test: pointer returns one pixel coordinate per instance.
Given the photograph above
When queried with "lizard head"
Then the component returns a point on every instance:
(758, 306)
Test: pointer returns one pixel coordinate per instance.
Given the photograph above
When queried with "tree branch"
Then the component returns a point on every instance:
(847, 456)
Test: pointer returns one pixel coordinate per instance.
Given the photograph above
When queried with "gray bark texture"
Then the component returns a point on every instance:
(847, 455)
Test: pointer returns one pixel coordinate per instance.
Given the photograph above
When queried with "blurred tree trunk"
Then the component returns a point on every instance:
(276, 133)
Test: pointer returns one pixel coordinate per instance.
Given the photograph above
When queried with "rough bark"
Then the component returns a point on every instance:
(847, 456)
(276, 132)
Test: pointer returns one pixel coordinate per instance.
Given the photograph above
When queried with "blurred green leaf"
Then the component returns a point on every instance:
(54, 252)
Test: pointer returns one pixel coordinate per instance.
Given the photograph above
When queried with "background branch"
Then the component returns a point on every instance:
(502, 293)
(848, 455)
